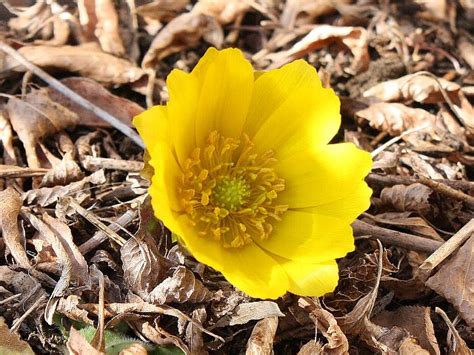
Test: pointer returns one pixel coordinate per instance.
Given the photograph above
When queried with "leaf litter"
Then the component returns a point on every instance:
(80, 248)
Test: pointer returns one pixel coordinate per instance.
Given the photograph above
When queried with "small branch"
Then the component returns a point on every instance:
(390, 180)
(446, 190)
(13, 171)
(78, 99)
(95, 163)
(395, 238)
(449, 247)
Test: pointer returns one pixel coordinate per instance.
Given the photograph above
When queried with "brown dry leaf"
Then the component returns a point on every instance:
(312, 347)
(22, 283)
(420, 88)
(11, 344)
(6, 138)
(403, 220)
(87, 60)
(413, 197)
(47, 195)
(466, 48)
(309, 9)
(194, 335)
(395, 118)
(354, 38)
(143, 265)
(224, 11)
(181, 287)
(34, 118)
(94, 92)
(134, 349)
(456, 344)
(326, 323)
(455, 280)
(78, 345)
(70, 308)
(162, 10)
(416, 320)
(261, 339)
(99, 18)
(434, 9)
(410, 347)
(182, 32)
(9, 211)
(65, 172)
(246, 312)
(160, 337)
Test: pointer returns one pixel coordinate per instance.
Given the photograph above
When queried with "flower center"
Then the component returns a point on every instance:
(230, 192)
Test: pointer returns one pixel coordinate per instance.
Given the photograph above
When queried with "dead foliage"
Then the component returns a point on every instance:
(84, 264)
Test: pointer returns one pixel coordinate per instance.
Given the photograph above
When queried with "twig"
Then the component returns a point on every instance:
(446, 190)
(17, 322)
(101, 236)
(449, 247)
(94, 220)
(390, 180)
(63, 89)
(13, 171)
(94, 163)
(395, 238)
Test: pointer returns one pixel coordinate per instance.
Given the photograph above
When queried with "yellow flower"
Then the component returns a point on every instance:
(244, 174)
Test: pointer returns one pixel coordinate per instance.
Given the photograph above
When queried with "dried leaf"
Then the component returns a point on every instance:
(100, 18)
(420, 88)
(455, 279)
(181, 287)
(143, 265)
(413, 197)
(94, 92)
(416, 320)
(246, 312)
(47, 195)
(182, 32)
(10, 343)
(466, 48)
(9, 211)
(224, 11)
(416, 225)
(310, 9)
(355, 38)
(78, 345)
(326, 323)
(134, 349)
(86, 60)
(35, 117)
(395, 118)
(162, 10)
(194, 335)
(6, 138)
(312, 347)
(65, 172)
(261, 339)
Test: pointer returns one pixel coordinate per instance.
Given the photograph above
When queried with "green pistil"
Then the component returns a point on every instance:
(230, 193)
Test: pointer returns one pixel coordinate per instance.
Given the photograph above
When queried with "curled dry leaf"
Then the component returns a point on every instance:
(10, 343)
(308, 10)
(35, 117)
(181, 287)
(395, 118)
(134, 349)
(326, 323)
(224, 11)
(9, 211)
(99, 18)
(312, 347)
(403, 220)
(455, 279)
(416, 320)
(78, 345)
(65, 172)
(355, 38)
(47, 195)
(162, 10)
(94, 92)
(182, 32)
(420, 88)
(246, 312)
(413, 197)
(87, 60)
(261, 339)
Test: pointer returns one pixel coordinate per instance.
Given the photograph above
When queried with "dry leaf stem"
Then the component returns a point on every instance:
(63, 89)
(396, 238)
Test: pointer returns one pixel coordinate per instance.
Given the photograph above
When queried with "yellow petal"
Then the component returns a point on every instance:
(309, 237)
(152, 125)
(290, 110)
(347, 208)
(164, 189)
(311, 279)
(249, 268)
(317, 177)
